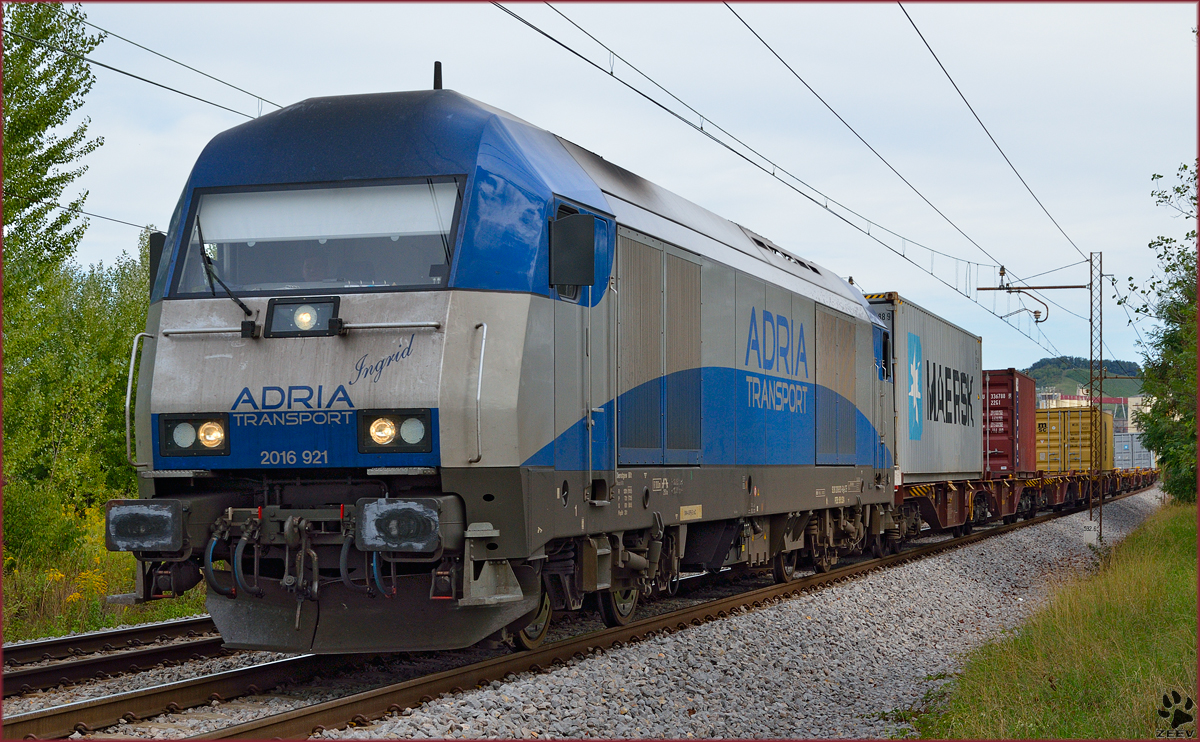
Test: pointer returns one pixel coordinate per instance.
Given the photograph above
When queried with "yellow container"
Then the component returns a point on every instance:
(1064, 440)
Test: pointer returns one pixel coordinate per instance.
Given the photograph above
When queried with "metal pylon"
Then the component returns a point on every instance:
(1096, 377)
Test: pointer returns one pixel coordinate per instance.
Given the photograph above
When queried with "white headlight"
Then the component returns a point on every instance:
(184, 435)
(412, 431)
(305, 317)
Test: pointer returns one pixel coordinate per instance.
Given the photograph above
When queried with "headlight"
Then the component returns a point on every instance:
(184, 435)
(305, 317)
(212, 435)
(395, 431)
(383, 431)
(196, 434)
(301, 316)
(412, 431)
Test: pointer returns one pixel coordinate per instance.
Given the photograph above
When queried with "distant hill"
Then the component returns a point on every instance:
(1066, 373)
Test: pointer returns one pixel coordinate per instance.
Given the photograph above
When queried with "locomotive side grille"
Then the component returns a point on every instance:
(847, 419)
(836, 389)
(826, 387)
(683, 354)
(640, 352)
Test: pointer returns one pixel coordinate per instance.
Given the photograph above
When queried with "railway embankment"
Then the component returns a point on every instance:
(832, 663)
(1098, 660)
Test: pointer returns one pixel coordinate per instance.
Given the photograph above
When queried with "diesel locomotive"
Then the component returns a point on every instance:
(417, 373)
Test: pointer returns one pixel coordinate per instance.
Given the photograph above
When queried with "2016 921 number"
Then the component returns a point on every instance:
(290, 457)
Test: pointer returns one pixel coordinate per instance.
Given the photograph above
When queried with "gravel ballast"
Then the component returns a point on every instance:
(833, 663)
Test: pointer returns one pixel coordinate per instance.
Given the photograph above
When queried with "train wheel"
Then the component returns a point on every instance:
(617, 607)
(878, 547)
(535, 633)
(822, 558)
(784, 566)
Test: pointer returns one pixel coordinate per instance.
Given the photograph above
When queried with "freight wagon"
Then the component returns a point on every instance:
(1130, 453)
(939, 418)
(1066, 441)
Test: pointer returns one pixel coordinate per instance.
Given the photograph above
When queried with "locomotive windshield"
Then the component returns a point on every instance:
(349, 238)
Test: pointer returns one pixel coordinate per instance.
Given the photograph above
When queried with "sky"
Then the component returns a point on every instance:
(1086, 100)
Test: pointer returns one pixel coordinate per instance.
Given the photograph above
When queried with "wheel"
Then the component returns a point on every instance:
(783, 566)
(617, 607)
(956, 531)
(822, 558)
(878, 547)
(535, 632)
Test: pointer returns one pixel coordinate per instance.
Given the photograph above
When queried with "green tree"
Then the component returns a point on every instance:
(42, 89)
(44, 291)
(1169, 352)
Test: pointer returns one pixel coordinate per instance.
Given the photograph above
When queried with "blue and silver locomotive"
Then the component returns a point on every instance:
(417, 373)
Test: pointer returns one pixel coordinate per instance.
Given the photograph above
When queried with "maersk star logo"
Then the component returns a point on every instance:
(914, 387)
(916, 421)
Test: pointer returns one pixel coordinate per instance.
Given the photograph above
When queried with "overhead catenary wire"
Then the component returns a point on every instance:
(68, 52)
(873, 150)
(860, 138)
(989, 134)
(1052, 270)
(775, 168)
(181, 64)
(763, 163)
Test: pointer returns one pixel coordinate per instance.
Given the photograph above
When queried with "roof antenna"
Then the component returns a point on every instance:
(437, 75)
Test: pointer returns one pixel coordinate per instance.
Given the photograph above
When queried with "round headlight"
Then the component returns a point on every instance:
(305, 317)
(383, 431)
(184, 435)
(212, 434)
(412, 431)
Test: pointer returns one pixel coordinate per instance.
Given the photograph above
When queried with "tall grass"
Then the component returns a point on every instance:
(1096, 662)
(51, 594)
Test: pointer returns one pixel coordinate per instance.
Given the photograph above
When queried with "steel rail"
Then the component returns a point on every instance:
(39, 677)
(128, 636)
(97, 713)
(362, 708)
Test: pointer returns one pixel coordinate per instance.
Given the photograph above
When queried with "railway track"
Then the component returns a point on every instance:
(130, 636)
(64, 660)
(362, 707)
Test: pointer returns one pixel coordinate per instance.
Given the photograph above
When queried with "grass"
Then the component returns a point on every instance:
(1097, 660)
(66, 593)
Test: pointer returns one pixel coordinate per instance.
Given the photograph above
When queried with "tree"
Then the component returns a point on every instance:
(42, 89)
(1169, 352)
(46, 383)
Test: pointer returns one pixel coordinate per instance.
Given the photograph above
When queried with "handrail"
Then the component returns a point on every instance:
(392, 326)
(345, 326)
(478, 396)
(137, 339)
(201, 331)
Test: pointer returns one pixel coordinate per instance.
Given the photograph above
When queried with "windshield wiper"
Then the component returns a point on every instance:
(212, 273)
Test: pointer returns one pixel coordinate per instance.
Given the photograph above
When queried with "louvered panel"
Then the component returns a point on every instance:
(847, 419)
(683, 354)
(827, 387)
(640, 347)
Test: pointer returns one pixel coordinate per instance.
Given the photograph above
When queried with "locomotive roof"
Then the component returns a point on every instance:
(428, 132)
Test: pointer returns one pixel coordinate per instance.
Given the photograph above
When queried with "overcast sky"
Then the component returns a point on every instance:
(1087, 100)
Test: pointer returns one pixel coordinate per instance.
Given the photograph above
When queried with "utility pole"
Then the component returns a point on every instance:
(1095, 364)
(1096, 379)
